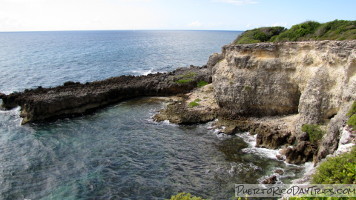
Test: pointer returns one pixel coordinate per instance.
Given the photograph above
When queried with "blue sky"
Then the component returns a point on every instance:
(44, 15)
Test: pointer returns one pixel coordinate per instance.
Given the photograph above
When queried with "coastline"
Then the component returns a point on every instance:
(267, 89)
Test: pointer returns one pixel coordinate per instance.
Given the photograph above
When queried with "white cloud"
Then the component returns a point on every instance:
(237, 2)
(19, 15)
(195, 24)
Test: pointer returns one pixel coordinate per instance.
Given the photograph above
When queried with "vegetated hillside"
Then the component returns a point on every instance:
(310, 30)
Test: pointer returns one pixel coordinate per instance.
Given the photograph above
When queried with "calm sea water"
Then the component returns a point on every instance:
(117, 152)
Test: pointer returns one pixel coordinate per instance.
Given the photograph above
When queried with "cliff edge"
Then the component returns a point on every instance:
(273, 89)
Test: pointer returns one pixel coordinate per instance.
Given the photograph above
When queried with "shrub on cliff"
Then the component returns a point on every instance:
(185, 196)
(352, 114)
(314, 132)
(303, 31)
(337, 170)
(310, 30)
(259, 35)
(319, 198)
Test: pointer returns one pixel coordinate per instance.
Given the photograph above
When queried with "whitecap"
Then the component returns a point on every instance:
(143, 72)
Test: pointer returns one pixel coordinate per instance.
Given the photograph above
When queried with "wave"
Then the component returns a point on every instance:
(143, 71)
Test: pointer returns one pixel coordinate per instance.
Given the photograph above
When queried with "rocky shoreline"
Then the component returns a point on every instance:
(72, 98)
(267, 89)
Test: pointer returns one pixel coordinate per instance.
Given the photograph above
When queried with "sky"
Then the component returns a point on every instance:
(50, 15)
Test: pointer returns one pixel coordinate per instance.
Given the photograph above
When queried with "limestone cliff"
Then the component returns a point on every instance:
(314, 79)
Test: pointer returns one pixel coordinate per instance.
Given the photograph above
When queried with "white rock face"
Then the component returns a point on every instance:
(316, 79)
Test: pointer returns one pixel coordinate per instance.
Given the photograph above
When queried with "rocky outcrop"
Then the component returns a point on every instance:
(301, 153)
(76, 98)
(310, 78)
(198, 106)
(315, 80)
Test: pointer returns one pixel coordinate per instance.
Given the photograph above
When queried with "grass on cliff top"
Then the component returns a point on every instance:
(310, 30)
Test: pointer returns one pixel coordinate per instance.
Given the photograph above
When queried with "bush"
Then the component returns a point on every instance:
(202, 83)
(310, 30)
(337, 170)
(319, 198)
(352, 114)
(301, 31)
(185, 196)
(352, 111)
(263, 34)
(314, 132)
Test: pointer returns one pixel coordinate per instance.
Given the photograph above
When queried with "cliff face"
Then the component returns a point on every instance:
(316, 80)
(312, 78)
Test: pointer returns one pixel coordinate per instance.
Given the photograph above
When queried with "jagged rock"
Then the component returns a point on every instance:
(179, 113)
(270, 180)
(329, 142)
(301, 153)
(75, 98)
(213, 59)
(272, 138)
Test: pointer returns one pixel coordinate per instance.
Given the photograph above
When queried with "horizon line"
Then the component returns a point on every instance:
(24, 31)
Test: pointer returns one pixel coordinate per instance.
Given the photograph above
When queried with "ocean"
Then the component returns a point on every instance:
(119, 152)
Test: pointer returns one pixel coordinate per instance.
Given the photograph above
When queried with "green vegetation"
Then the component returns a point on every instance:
(301, 31)
(263, 34)
(186, 78)
(310, 30)
(247, 88)
(337, 170)
(182, 81)
(185, 196)
(202, 83)
(352, 114)
(314, 132)
(194, 103)
(319, 198)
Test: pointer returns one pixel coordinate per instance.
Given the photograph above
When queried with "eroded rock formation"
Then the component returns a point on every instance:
(76, 98)
(316, 81)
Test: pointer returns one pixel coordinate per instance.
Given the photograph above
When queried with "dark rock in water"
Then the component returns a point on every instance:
(279, 171)
(272, 138)
(75, 98)
(301, 153)
(270, 180)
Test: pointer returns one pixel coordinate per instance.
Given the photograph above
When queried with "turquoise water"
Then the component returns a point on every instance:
(117, 152)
